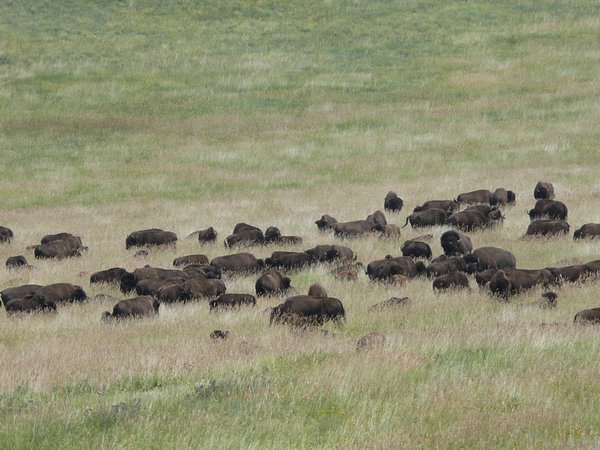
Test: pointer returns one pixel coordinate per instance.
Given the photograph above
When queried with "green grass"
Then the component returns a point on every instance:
(116, 116)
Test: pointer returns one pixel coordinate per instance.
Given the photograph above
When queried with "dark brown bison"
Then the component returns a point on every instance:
(113, 275)
(59, 246)
(543, 189)
(228, 301)
(445, 265)
(13, 262)
(508, 282)
(304, 310)
(378, 218)
(503, 197)
(456, 280)
(570, 274)
(478, 196)
(61, 292)
(485, 258)
(587, 231)
(151, 286)
(22, 291)
(392, 202)
(143, 306)
(6, 235)
(588, 316)
(483, 278)
(207, 235)
(272, 283)
(150, 237)
(173, 293)
(456, 243)
(289, 260)
(238, 263)
(245, 237)
(473, 219)
(416, 249)
(547, 227)
(449, 206)
(273, 236)
(326, 222)
(190, 259)
(354, 228)
(316, 290)
(130, 280)
(550, 209)
(199, 288)
(427, 218)
(385, 269)
(29, 304)
(328, 253)
(202, 270)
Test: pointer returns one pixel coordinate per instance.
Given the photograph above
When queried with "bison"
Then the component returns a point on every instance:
(355, 228)
(503, 197)
(232, 301)
(29, 304)
(238, 263)
(478, 196)
(272, 283)
(150, 237)
(551, 209)
(427, 218)
(316, 290)
(456, 280)
(587, 231)
(326, 222)
(304, 310)
(62, 292)
(543, 189)
(455, 243)
(485, 258)
(113, 275)
(588, 316)
(512, 281)
(143, 306)
(13, 262)
(547, 227)
(416, 249)
(392, 202)
(6, 235)
(449, 206)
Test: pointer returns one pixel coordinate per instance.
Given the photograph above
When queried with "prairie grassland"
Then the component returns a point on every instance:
(123, 116)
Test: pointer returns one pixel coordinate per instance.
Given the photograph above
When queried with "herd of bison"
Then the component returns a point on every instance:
(194, 277)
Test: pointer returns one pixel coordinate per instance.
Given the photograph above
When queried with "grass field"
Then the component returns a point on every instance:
(118, 116)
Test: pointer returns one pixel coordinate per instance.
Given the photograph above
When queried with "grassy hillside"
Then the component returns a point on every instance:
(129, 115)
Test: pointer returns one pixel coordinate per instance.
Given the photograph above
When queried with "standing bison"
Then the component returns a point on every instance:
(547, 227)
(485, 258)
(587, 231)
(392, 203)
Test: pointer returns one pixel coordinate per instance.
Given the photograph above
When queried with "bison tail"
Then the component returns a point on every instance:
(406, 223)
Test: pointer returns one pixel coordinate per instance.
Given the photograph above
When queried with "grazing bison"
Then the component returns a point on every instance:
(143, 306)
(543, 189)
(59, 246)
(326, 222)
(6, 235)
(503, 197)
(513, 281)
(416, 249)
(485, 258)
(478, 196)
(551, 209)
(446, 265)
(316, 290)
(272, 283)
(587, 231)
(304, 310)
(449, 206)
(354, 228)
(13, 262)
(588, 316)
(22, 291)
(232, 301)
(392, 202)
(456, 280)
(456, 243)
(427, 218)
(150, 237)
(547, 227)
(384, 269)
(113, 275)
(204, 287)
(289, 260)
(473, 219)
(328, 253)
(29, 304)
(190, 259)
(62, 292)
(238, 263)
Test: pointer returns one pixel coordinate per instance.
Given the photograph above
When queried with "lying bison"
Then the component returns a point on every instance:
(588, 316)
(108, 276)
(385, 269)
(456, 280)
(416, 249)
(326, 222)
(550, 209)
(59, 246)
(228, 301)
(272, 283)
(507, 282)
(304, 310)
(547, 227)
(449, 206)
(238, 263)
(503, 197)
(62, 292)
(150, 237)
(143, 306)
(485, 258)
(14, 262)
(29, 304)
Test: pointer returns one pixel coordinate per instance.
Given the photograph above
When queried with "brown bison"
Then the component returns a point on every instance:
(14, 262)
(478, 196)
(304, 310)
(392, 202)
(354, 228)
(113, 275)
(456, 243)
(547, 227)
(316, 290)
(59, 246)
(144, 306)
(22, 291)
(427, 218)
(29, 304)
(449, 206)
(416, 249)
(289, 260)
(238, 263)
(587, 231)
(228, 301)
(485, 258)
(384, 269)
(550, 209)
(456, 280)
(513, 281)
(588, 316)
(199, 288)
(61, 292)
(543, 189)
(326, 222)
(328, 253)
(503, 197)
(272, 283)
(443, 265)
(6, 234)
(150, 237)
